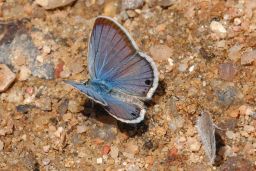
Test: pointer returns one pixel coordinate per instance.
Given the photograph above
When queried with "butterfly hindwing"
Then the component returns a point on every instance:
(115, 58)
(123, 110)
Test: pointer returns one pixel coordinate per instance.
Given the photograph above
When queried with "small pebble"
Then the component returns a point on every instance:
(237, 21)
(67, 117)
(161, 52)
(105, 149)
(195, 146)
(227, 71)
(81, 129)
(44, 103)
(131, 4)
(51, 4)
(7, 77)
(24, 73)
(230, 135)
(46, 148)
(63, 107)
(245, 110)
(218, 28)
(74, 107)
(132, 148)
(234, 52)
(182, 67)
(234, 113)
(114, 152)
(166, 3)
(58, 132)
(1, 145)
(99, 160)
(15, 96)
(249, 128)
(248, 57)
(46, 49)
(46, 161)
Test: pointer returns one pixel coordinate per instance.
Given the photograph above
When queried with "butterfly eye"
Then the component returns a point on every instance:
(148, 82)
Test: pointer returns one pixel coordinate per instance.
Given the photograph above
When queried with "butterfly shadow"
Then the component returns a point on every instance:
(220, 144)
(97, 112)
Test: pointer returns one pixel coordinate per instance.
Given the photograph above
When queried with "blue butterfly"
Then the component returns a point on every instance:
(122, 77)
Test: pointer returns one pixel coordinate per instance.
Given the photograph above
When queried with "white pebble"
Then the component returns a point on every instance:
(191, 68)
(99, 160)
(218, 28)
(237, 21)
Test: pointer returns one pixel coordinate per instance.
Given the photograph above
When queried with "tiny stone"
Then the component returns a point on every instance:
(227, 71)
(74, 107)
(99, 160)
(44, 103)
(24, 108)
(81, 129)
(40, 58)
(229, 152)
(6, 77)
(46, 49)
(46, 161)
(46, 148)
(58, 132)
(183, 67)
(67, 117)
(114, 152)
(131, 13)
(218, 28)
(249, 128)
(131, 4)
(24, 73)
(191, 68)
(15, 96)
(237, 21)
(132, 148)
(106, 149)
(161, 52)
(234, 52)
(195, 146)
(51, 4)
(63, 107)
(76, 68)
(166, 3)
(234, 113)
(65, 74)
(1, 145)
(248, 57)
(230, 135)
(245, 110)
(182, 139)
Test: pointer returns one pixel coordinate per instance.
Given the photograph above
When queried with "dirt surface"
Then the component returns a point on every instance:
(205, 52)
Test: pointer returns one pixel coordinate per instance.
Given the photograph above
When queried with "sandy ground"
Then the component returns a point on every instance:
(205, 53)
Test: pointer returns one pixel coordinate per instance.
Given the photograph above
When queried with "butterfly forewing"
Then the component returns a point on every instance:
(115, 58)
(89, 91)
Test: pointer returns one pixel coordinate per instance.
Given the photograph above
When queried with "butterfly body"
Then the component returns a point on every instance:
(122, 76)
(100, 86)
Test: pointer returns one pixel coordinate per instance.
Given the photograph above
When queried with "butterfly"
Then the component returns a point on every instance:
(206, 131)
(122, 77)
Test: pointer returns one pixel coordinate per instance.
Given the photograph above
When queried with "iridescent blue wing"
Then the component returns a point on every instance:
(123, 110)
(114, 58)
(88, 91)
